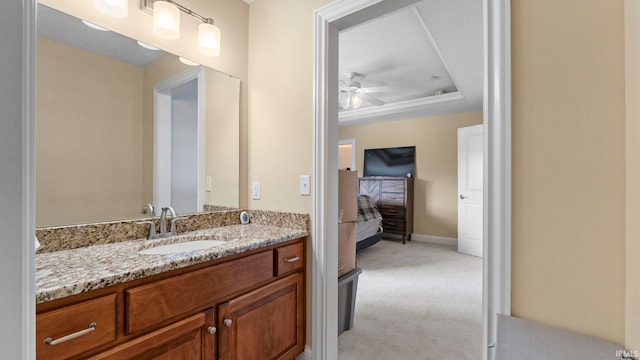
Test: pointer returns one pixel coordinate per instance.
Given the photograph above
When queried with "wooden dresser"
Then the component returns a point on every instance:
(394, 198)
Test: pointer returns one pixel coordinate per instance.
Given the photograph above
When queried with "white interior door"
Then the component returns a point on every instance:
(470, 194)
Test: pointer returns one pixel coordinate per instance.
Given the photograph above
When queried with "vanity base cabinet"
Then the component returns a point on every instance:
(188, 339)
(182, 314)
(265, 324)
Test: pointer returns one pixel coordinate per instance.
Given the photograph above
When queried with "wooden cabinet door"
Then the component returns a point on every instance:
(265, 324)
(188, 339)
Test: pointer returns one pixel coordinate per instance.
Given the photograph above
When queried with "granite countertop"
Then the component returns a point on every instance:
(69, 272)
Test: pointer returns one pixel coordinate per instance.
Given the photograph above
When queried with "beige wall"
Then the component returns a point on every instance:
(568, 212)
(281, 107)
(568, 148)
(632, 250)
(222, 138)
(436, 177)
(231, 16)
(88, 134)
(281, 101)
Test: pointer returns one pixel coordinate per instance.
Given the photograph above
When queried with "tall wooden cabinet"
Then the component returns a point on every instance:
(394, 199)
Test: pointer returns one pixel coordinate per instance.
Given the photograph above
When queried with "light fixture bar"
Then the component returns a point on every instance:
(147, 6)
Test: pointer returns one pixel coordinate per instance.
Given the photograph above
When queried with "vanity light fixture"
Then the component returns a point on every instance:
(209, 39)
(94, 26)
(166, 20)
(166, 24)
(115, 8)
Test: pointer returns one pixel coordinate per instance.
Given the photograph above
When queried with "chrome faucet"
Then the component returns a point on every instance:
(148, 209)
(163, 218)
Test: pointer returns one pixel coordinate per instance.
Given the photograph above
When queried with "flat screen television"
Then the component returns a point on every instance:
(396, 161)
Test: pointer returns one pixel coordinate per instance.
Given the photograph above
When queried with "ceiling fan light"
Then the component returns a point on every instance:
(115, 8)
(166, 20)
(208, 39)
(356, 101)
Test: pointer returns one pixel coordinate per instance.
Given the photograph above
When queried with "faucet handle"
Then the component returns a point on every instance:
(173, 223)
(152, 228)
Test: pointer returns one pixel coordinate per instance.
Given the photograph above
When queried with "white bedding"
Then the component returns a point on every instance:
(366, 229)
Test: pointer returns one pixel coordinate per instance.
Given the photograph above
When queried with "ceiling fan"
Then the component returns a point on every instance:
(356, 94)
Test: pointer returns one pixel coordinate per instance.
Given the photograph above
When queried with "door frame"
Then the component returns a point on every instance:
(341, 14)
(351, 142)
(162, 93)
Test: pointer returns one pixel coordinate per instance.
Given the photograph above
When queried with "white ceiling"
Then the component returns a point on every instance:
(434, 45)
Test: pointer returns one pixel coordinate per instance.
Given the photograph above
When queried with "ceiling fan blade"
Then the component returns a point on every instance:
(344, 84)
(374, 89)
(372, 100)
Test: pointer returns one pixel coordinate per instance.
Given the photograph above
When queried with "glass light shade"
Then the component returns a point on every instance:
(208, 39)
(166, 20)
(356, 101)
(115, 8)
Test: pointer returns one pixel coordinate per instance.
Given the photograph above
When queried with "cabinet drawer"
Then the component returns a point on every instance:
(392, 186)
(391, 211)
(184, 293)
(393, 225)
(76, 319)
(289, 258)
(392, 198)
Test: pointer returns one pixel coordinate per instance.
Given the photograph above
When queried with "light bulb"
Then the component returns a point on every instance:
(209, 39)
(356, 101)
(166, 20)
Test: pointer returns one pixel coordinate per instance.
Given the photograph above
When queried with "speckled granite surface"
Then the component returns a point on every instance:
(277, 218)
(78, 236)
(210, 208)
(73, 271)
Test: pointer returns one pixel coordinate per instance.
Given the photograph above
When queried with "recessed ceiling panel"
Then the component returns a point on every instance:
(394, 54)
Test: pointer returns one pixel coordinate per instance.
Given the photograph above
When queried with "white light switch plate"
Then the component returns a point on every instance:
(207, 183)
(305, 188)
(255, 190)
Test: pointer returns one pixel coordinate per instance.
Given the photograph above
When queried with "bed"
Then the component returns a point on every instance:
(369, 228)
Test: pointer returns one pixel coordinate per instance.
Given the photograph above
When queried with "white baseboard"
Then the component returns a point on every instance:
(306, 355)
(441, 240)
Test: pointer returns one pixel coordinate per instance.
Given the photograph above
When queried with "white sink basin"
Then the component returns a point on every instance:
(181, 247)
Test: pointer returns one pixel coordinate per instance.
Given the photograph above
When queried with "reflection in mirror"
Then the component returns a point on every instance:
(95, 127)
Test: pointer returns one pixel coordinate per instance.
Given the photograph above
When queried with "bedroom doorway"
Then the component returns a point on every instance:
(347, 154)
(343, 14)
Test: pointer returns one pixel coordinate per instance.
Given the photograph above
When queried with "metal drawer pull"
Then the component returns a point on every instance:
(77, 334)
(293, 259)
(228, 322)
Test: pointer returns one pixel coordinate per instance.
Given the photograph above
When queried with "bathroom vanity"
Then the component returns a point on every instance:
(243, 299)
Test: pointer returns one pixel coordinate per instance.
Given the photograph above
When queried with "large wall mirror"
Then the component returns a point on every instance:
(119, 125)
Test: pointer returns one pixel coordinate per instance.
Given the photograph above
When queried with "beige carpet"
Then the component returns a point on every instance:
(415, 301)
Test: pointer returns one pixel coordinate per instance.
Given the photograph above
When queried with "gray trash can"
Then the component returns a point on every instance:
(347, 289)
